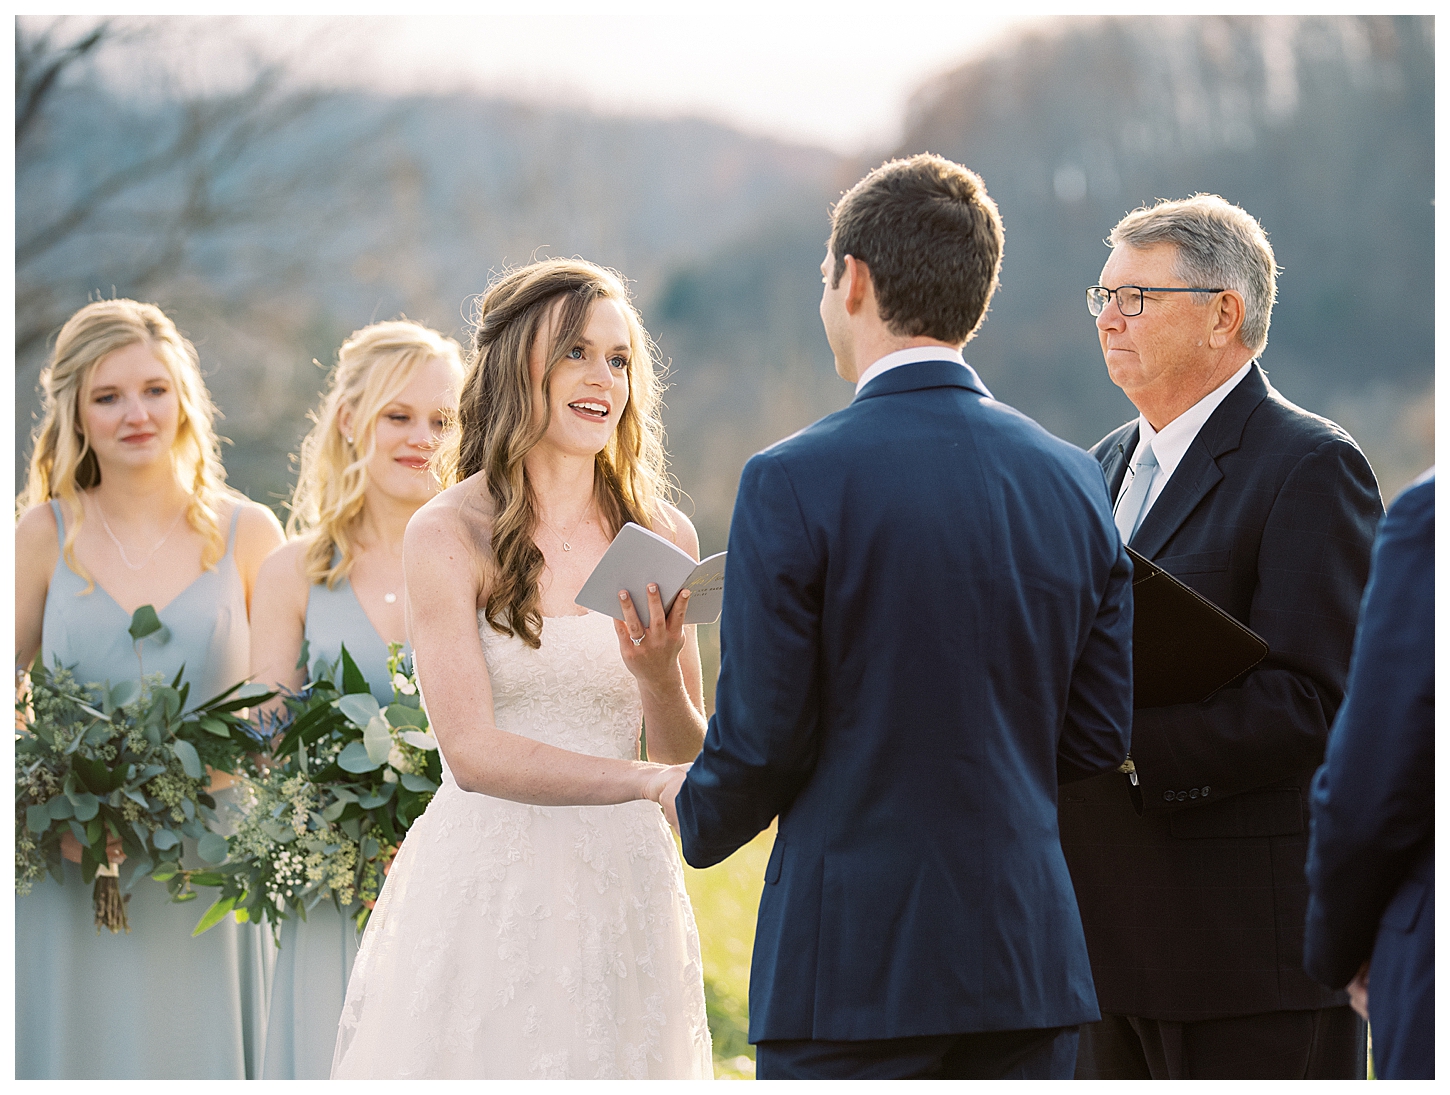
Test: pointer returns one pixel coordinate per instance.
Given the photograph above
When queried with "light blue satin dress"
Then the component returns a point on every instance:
(153, 1004)
(316, 956)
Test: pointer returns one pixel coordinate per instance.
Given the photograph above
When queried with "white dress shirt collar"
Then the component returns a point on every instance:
(1170, 444)
(909, 357)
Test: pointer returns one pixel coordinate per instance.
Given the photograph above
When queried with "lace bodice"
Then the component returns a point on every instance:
(573, 692)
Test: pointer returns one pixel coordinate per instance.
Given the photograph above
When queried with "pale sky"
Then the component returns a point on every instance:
(806, 72)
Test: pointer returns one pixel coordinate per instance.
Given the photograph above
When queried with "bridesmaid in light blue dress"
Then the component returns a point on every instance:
(127, 506)
(362, 472)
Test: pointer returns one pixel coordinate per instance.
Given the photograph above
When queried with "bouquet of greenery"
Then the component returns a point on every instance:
(349, 777)
(123, 764)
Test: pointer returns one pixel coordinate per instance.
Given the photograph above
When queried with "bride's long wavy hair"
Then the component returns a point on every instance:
(497, 428)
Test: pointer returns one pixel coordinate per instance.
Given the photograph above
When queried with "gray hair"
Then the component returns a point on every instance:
(1218, 245)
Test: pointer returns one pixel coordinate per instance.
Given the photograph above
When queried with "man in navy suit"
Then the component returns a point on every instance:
(927, 626)
(1190, 870)
(1371, 923)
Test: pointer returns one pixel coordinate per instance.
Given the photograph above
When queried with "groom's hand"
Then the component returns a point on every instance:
(666, 787)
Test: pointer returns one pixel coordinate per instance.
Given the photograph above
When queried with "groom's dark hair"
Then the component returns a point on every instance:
(931, 238)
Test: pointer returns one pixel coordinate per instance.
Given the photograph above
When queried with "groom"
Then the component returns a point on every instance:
(926, 629)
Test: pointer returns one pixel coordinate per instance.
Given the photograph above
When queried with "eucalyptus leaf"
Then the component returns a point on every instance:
(78, 831)
(369, 848)
(37, 818)
(164, 838)
(212, 847)
(99, 733)
(133, 870)
(377, 739)
(60, 807)
(170, 700)
(352, 827)
(400, 715)
(344, 794)
(355, 758)
(151, 770)
(330, 813)
(137, 797)
(144, 621)
(419, 740)
(377, 798)
(215, 726)
(193, 829)
(153, 735)
(87, 806)
(190, 761)
(417, 783)
(359, 707)
(282, 834)
(124, 693)
(188, 808)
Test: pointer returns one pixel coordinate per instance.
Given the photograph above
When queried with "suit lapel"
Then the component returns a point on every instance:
(1113, 453)
(1198, 472)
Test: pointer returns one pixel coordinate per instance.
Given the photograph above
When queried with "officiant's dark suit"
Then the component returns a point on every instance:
(1191, 884)
(926, 627)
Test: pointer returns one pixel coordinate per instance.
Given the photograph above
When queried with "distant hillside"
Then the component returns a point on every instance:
(355, 208)
(1322, 128)
(373, 208)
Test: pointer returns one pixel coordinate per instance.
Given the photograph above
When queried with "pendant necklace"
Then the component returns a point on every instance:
(565, 539)
(121, 548)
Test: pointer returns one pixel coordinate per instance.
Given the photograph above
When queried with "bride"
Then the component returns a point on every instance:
(535, 922)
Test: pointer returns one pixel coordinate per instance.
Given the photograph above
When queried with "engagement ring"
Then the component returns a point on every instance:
(636, 641)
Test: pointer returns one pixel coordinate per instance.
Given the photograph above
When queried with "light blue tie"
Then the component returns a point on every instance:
(1129, 514)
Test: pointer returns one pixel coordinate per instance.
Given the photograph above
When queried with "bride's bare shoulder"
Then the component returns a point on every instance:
(455, 522)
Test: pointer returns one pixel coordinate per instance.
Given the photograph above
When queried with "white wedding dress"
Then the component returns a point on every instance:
(531, 942)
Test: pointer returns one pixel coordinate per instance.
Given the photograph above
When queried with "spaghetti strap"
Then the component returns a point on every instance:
(59, 518)
(232, 533)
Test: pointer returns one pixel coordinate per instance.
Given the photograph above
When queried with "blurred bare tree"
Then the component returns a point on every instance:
(130, 183)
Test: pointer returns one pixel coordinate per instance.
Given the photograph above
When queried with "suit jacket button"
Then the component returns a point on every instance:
(1181, 796)
(1193, 792)
(1167, 796)
(1205, 792)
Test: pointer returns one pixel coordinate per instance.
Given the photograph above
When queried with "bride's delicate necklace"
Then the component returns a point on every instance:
(121, 547)
(565, 539)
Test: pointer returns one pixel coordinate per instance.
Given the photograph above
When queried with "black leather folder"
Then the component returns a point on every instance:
(1185, 648)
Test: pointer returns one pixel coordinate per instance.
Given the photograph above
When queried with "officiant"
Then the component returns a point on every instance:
(1191, 883)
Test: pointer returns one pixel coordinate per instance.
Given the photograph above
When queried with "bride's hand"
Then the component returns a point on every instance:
(663, 786)
(652, 653)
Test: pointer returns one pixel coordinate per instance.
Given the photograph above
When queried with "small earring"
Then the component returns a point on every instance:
(349, 439)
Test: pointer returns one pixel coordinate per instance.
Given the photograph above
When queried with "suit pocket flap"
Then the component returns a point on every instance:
(1278, 812)
(1404, 908)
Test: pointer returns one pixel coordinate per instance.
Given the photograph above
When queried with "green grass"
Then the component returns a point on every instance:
(725, 898)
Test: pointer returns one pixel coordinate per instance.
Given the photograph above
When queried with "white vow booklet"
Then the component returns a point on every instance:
(637, 557)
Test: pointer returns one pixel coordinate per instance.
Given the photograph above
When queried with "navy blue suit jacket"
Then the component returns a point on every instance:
(1372, 833)
(1193, 895)
(927, 623)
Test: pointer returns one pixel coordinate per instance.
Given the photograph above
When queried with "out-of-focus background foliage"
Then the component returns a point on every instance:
(273, 218)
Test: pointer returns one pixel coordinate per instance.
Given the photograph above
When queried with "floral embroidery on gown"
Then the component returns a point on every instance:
(531, 942)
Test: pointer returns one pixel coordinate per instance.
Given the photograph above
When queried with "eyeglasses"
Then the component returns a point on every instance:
(1130, 297)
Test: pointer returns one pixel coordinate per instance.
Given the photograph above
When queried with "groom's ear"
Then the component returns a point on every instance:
(858, 285)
